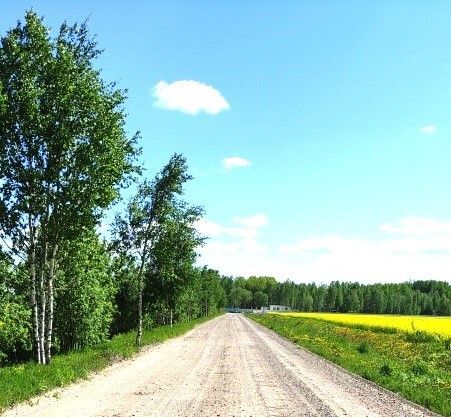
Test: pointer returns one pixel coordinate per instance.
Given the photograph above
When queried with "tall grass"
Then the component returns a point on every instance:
(22, 382)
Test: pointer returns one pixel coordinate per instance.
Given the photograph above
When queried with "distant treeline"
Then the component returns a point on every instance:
(417, 297)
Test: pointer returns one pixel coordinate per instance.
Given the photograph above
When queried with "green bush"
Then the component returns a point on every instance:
(420, 368)
(84, 294)
(363, 347)
(386, 370)
(14, 331)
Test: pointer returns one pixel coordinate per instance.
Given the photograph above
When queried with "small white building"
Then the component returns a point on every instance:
(274, 307)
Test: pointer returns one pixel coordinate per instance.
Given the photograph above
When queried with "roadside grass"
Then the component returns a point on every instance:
(19, 383)
(417, 368)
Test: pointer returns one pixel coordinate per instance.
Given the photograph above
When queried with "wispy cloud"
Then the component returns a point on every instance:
(235, 162)
(321, 245)
(234, 250)
(255, 221)
(388, 260)
(412, 248)
(212, 229)
(188, 96)
(412, 225)
(429, 130)
(247, 227)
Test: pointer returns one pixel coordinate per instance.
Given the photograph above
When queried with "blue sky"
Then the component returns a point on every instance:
(341, 110)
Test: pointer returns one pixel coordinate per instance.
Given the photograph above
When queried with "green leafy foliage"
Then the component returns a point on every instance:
(15, 341)
(14, 331)
(124, 273)
(173, 255)
(62, 131)
(363, 347)
(84, 296)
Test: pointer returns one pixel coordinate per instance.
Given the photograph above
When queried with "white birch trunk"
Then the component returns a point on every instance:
(33, 294)
(34, 306)
(140, 314)
(43, 303)
(49, 328)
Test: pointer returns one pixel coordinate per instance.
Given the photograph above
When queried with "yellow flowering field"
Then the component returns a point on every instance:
(435, 325)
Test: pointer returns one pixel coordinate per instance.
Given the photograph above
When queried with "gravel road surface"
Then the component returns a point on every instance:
(228, 367)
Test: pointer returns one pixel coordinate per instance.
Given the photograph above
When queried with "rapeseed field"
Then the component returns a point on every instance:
(432, 325)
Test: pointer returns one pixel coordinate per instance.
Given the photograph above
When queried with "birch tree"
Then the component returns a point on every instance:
(64, 153)
(139, 228)
(174, 254)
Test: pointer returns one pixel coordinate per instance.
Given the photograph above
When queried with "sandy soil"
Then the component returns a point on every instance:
(230, 367)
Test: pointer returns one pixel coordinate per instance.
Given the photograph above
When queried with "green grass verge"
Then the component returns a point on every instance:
(418, 369)
(21, 382)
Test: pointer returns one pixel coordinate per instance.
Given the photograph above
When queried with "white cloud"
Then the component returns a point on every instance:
(346, 259)
(258, 220)
(413, 248)
(235, 162)
(322, 245)
(418, 226)
(234, 258)
(208, 228)
(189, 96)
(212, 229)
(429, 129)
(234, 250)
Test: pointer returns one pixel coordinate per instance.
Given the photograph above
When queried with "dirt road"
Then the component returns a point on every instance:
(229, 366)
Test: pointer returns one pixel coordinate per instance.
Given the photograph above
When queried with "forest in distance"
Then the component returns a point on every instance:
(65, 158)
(415, 297)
